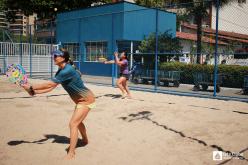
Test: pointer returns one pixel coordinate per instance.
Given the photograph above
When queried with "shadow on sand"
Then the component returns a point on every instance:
(56, 139)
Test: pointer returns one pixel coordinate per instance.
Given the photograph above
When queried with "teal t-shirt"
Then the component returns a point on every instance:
(71, 81)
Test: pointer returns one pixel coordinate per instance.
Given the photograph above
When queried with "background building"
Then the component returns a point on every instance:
(97, 32)
(21, 24)
(3, 21)
(232, 18)
(45, 30)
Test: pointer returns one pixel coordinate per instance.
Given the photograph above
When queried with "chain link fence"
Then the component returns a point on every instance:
(184, 56)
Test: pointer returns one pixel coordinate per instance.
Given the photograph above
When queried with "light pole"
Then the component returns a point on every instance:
(52, 33)
(216, 47)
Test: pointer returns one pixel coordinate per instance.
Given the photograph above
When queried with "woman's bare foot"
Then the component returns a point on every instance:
(70, 156)
(123, 95)
(129, 96)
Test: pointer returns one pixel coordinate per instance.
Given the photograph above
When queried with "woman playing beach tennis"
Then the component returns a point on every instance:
(122, 82)
(84, 99)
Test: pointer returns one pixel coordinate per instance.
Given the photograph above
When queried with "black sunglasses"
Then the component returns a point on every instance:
(55, 56)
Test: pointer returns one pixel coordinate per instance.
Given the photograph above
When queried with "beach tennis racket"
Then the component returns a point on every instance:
(16, 74)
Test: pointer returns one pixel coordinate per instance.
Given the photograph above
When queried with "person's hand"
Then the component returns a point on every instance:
(116, 54)
(28, 88)
(105, 62)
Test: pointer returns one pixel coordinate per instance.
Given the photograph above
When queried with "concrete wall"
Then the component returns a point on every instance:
(232, 18)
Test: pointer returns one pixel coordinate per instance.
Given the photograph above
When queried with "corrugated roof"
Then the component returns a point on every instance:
(221, 33)
(193, 37)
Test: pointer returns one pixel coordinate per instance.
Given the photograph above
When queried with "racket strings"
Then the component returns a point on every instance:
(16, 74)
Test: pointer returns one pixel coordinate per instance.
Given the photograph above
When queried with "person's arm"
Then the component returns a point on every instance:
(40, 88)
(109, 62)
(46, 85)
(117, 60)
(44, 90)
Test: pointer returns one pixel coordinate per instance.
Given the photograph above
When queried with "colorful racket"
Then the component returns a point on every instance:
(16, 74)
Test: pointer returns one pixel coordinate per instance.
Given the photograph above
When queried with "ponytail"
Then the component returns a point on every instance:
(68, 60)
(65, 54)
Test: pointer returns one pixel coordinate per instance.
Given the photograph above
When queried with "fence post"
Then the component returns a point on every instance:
(20, 47)
(3, 34)
(131, 55)
(79, 46)
(51, 49)
(216, 47)
(113, 65)
(4, 57)
(156, 54)
(30, 49)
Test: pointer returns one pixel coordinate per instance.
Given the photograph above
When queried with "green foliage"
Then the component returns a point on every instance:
(159, 3)
(181, 17)
(6, 36)
(150, 3)
(2, 2)
(194, 9)
(232, 75)
(167, 43)
(44, 8)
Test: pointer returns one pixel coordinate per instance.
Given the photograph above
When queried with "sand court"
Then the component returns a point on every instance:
(149, 129)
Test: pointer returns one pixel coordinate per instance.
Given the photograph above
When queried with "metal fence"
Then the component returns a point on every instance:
(206, 59)
(218, 70)
(35, 58)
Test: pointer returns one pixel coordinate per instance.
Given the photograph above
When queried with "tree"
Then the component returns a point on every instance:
(194, 8)
(2, 5)
(151, 3)
(45, 8)
(199, 12)
(159, 3)
(167, 43)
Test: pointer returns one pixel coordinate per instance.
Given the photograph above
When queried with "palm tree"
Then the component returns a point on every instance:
(194, 8)
(199, 11)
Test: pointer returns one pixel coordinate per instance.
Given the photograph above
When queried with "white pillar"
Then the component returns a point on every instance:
(131, 56)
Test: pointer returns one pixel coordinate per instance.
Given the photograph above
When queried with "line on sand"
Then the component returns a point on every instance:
(145, 115)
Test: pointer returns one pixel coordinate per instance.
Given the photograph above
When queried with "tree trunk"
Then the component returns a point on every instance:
(199, 36)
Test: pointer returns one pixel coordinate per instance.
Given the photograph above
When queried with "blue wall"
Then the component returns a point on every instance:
(112, 22)
(141, 21)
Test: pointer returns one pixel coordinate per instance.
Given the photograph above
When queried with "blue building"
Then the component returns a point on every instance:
(96, 32)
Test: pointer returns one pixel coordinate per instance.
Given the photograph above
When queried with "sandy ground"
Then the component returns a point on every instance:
(151, 129)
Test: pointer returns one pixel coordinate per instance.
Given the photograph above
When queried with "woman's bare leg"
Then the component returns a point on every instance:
(77, 117)
(120, 86)
(125, 85)
(82, 130)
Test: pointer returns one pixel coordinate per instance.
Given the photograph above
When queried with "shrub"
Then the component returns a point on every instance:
(233, 75)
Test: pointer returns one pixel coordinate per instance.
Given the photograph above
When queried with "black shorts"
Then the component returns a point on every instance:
(124, 75)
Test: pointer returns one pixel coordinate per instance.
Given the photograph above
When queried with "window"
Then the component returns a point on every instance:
(73, 49)
(96, 50)
(126, 46)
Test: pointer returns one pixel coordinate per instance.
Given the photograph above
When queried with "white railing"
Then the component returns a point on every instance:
(35, 58)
